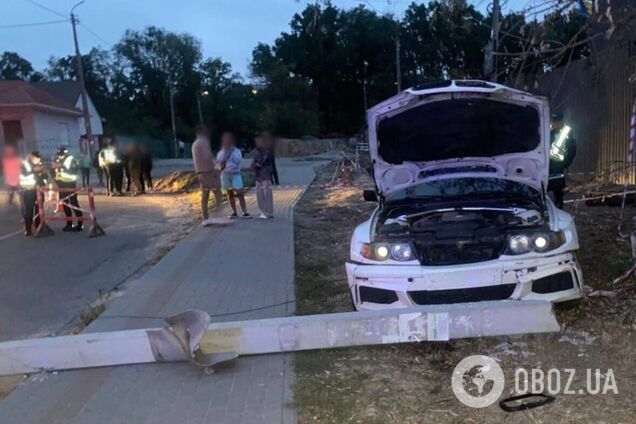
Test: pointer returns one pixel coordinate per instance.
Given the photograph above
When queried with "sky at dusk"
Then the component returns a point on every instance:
(226, 28)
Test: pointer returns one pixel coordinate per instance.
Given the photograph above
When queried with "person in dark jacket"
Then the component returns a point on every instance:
(270, 143)
(562, 153)
(134, 161)
(32, 176)
(146, 168)
(263, 165)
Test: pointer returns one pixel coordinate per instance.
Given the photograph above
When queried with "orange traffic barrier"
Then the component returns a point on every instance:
(61, 198)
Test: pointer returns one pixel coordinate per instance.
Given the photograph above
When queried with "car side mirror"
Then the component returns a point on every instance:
(370, 195)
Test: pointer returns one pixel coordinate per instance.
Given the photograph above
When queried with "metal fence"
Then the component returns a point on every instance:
(596, 96)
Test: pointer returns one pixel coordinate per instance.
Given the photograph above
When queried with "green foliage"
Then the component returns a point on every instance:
(15, 67)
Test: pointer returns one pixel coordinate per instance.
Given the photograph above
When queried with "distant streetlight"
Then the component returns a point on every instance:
(202, 94)
(255, 91)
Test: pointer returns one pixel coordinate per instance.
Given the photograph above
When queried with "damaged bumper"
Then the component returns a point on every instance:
(554, 278)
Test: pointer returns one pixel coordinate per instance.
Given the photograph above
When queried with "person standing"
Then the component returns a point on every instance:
(85, 162)
(229, 161)
(263, 165)
(562, 153)
(270, 144)
(66, 170)
(32, 176)
(111, 160)
(98, 168)
(208, 175)
(134, 169)
(146, 168)
(125, 158)
(11, 169)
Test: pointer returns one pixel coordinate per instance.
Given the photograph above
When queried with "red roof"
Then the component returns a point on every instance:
(20, 93)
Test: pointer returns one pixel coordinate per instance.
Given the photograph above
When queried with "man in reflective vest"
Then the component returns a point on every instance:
(32, 176)
(562, 153)
(112, 163)
(66, 170)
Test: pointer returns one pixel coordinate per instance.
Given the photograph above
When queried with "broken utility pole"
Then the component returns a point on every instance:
(191, 336)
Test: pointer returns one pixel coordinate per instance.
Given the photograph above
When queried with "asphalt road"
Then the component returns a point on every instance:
(46, 283)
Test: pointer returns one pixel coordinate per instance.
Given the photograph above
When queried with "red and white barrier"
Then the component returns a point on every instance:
(60, 202)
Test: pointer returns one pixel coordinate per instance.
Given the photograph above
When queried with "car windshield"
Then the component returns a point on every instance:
(471, 188)
(449, 129)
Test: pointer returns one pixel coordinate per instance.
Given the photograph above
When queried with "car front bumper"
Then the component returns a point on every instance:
(554, 278)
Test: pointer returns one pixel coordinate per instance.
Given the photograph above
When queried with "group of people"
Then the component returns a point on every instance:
(134, 163)
(222, 172)
(26, 176)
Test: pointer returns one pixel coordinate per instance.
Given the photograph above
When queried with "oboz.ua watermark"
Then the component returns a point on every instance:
(478, 381)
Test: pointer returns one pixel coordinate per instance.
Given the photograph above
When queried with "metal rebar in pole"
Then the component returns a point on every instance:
(80, 79)
(398, 65)
(496, 12)
(173, 122)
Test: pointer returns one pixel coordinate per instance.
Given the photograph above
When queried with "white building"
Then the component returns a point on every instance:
(33, 119)
(70, 92)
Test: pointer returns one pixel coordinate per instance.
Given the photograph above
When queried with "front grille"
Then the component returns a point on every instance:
(373, 295)
(477, 294)
(553, 283)
(455, 253)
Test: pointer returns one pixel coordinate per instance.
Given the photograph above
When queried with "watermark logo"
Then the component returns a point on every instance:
(478, 381)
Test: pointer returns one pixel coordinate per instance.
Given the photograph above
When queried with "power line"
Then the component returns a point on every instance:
(48, 9)
(33, 24)
(94, 34)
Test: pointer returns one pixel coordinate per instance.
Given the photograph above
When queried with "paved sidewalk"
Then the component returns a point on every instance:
(246, 265)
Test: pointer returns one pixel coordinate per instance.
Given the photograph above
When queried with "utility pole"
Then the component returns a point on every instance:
(491, 57)
(398, 64)
(173, 122)
(80, 79)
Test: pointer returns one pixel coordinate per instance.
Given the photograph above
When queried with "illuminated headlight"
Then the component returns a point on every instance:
(385, 251)
(538, 242)
(382, 252)
(541, 243)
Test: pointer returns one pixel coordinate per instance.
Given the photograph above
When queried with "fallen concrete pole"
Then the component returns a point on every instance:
(190, 336)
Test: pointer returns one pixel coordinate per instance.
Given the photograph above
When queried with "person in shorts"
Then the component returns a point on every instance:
(229, 161)
(204, 166)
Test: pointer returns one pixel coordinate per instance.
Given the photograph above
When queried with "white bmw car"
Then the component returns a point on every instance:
(461, 170)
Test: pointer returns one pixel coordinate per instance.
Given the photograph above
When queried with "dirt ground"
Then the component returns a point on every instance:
(411, 383)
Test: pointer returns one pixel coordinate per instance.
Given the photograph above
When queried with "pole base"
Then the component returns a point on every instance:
(44, 231)
(96, 231)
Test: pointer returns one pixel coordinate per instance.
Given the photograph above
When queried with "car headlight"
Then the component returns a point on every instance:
(519, 244)
(384, 251)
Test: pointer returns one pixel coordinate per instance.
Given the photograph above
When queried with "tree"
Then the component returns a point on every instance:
(15, 67)
(98, 72)
(151, 61)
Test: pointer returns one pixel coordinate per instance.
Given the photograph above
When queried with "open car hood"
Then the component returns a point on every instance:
(459, 129)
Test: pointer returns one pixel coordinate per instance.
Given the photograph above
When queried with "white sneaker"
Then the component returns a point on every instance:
(262, 216)
(206, 223)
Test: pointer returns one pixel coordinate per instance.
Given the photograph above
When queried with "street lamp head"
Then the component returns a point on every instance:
(254, 91)
(205, 93)
(77, 4)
